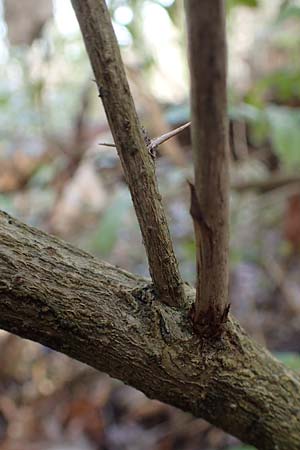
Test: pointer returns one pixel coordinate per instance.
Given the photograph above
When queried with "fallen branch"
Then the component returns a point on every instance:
(62, 297)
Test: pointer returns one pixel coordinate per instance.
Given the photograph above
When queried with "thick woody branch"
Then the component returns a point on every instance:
(137, 162)
(55, 294)
(207, 58)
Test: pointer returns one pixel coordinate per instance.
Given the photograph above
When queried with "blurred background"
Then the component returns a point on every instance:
(55, 175)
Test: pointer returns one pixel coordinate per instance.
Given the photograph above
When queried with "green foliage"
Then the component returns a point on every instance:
(6, 204)
(271, 107)
(279, 124)
(242, 447)
(288, 12)
(284, 83)
(249, 3)
(291, 360)
(284, 128)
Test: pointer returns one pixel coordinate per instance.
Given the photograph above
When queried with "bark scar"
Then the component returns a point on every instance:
(203, 232)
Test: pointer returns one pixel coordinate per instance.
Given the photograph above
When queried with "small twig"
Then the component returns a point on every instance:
(165, 137)
(107, 144)
(158, 140)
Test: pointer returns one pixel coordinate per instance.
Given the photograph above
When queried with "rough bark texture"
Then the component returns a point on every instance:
(66, 299)
(207, 57)
(138, 164)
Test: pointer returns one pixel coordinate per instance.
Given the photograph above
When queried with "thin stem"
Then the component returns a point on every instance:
(207, 57)
(137, 162)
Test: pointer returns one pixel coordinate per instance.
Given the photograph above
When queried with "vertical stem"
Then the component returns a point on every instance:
(138, 165)
(209, 209)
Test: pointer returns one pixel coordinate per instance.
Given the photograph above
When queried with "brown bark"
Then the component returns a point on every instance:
(207, 58)
(64, 298)
(137, 162)
(267, 185)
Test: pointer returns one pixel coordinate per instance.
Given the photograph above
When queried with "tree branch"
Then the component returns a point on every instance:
(137, 162)
(207, 58)
(262, 186)
(55, 294)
